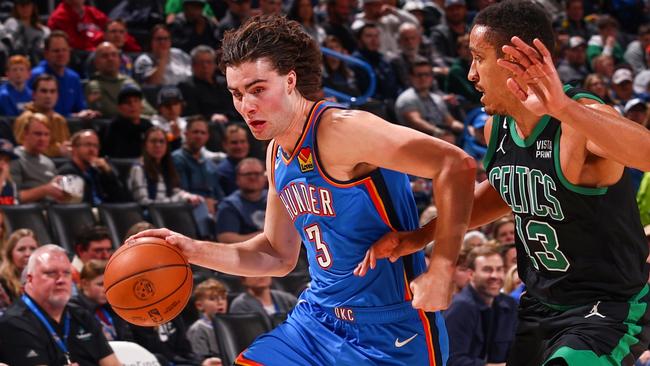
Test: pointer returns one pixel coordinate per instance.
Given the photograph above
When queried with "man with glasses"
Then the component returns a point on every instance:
(241, 215)
(42, 329)
(101, 183)
(164, 65)
(420, 109)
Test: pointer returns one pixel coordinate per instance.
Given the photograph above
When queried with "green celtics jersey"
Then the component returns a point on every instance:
(575, 245)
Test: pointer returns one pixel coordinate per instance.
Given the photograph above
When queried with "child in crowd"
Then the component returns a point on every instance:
(210, 298)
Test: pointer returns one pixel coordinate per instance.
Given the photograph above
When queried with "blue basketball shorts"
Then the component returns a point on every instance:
(388, 335)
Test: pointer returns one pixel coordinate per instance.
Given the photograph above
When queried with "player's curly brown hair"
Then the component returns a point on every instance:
(284, 43)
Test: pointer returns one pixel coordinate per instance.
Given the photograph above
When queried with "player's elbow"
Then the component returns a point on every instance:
(461, 164)
(284, 268)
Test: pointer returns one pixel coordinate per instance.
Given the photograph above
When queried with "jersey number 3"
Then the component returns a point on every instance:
(551, 257)
(323, 256)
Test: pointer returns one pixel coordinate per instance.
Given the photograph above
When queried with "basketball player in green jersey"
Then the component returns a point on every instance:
(556, 158)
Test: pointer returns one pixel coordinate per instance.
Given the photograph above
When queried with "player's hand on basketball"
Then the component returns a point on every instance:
(393, 245)
(186, 244)
(536, 82)
(432, 291)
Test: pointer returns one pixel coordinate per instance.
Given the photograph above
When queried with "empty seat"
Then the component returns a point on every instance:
(28, 216)
(235, 332)
(119, 217)
(123, 167)
(68, 221)
(175, 216)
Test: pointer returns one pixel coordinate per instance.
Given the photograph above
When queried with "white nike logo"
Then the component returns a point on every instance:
(31, 354)
(403, 343)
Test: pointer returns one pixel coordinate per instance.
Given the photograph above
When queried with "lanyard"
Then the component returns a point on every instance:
(57, 339)
(110, 328)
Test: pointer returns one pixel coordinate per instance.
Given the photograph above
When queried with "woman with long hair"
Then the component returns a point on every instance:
(597, 85)
(155, 179)
(15, 254)
(27, 32)
(302, 11)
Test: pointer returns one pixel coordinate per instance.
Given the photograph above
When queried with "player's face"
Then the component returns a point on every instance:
(94, 289)
(22, 251)
(488, 77)
(487, 277)
(51, 280)
(261, 96)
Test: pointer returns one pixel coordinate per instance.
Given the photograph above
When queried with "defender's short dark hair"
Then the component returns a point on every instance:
(511, 18)
(284, 43)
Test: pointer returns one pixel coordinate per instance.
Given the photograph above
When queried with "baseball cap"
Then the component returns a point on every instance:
(169, 94)
(7, 148)
(129, 90)
(622, 75)
(641, 82)
(449, 3)
(633, 103)
(576, 41)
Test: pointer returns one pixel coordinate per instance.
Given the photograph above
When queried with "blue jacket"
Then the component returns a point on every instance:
(12, 101)
(479, 334)
(71, 95)
(197, 176)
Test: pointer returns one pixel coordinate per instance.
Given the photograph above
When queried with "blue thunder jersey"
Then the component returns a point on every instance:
(339, 221)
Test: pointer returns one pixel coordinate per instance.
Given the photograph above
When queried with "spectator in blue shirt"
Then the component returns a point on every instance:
(71, 101)
(197, 172)
(15, 93)
(236, 146)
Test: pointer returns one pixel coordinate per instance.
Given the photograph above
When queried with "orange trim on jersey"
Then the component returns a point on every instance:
(241, 360)
(429, 337)
(310, 121)
(273, 157)
(407, 288)
(377, 201)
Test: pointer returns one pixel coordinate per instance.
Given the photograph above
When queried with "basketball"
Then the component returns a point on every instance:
(148, 282)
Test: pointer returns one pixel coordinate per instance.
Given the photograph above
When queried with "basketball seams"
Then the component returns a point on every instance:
(145, 271)
(162, 243)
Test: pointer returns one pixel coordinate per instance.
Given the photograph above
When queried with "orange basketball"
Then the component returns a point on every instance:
(148, 282)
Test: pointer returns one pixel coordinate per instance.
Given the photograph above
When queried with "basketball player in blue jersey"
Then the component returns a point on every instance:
(337, 185)
(556, 159)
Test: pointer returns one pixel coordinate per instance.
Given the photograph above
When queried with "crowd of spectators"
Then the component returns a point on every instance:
(93, 85)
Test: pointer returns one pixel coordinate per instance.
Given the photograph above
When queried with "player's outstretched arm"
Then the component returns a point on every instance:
(274, 252)
(358, 140)
(537, 84)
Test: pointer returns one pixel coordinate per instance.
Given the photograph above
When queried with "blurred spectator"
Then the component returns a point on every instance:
(170, 108)
(206, 92)
(168, 342)
(302, 12)
(92, 297)
(387, 86)
(409, 41)
(34, 173)
(210, 298)
(140, 17)
(8, 189)
(15, 254)
(635, 53)
(503, 230)
(238, 12)
(481, 321)
(236, 146)
(173, 7)
(116, 33)
(635, 110)
(93, 242)
(197, 173)
(573, 68)
(125, 134)
(101, 183)
(336, 74)
(337, 23)
(421, 109)
(461, 272)
(45, 95)
(241, 214)
(387, 19)
(260, 298)
(26, 330)
(444, 35)
(574, 23)
(270, 7)
(164, 65)
(596, 84)
(138, 227)
(155, 178)
(456, 79)
(192, 28)
(603, 65)
(474, 134)
(605, 42)
(107, 81)
(622, 88)
(15, 93)
(26, 30)
(643, 201)
(71, 100)
(473, 239)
